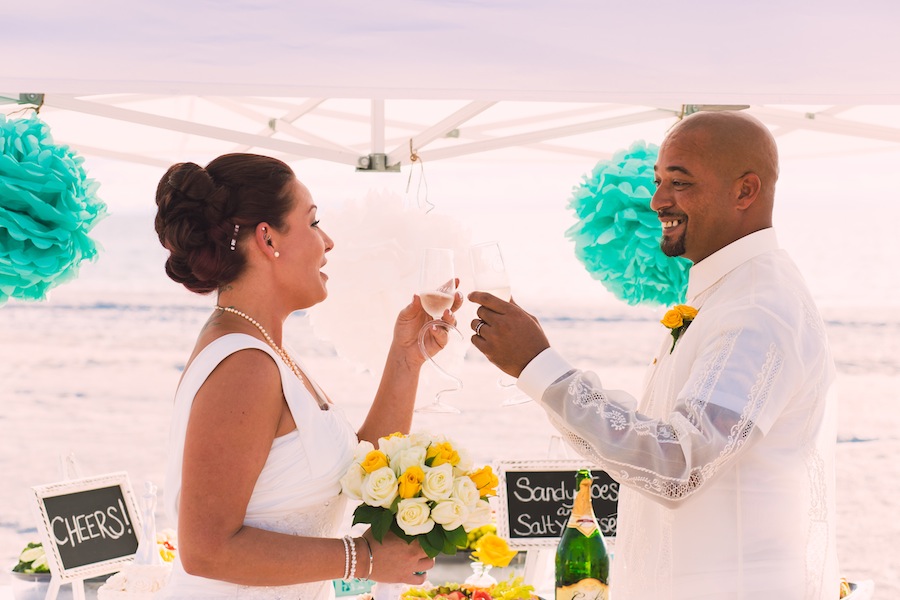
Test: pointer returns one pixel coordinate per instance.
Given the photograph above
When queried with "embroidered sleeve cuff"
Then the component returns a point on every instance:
(544, 370)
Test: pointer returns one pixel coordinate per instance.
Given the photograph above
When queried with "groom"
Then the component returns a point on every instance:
(725, 460)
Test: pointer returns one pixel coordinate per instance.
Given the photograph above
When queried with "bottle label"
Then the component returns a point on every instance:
(586, 589)
(586, 525)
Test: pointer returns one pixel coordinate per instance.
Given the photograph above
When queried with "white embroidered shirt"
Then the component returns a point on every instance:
(726, 461)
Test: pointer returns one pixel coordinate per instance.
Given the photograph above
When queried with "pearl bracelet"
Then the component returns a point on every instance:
(349, 557)
(346, 558)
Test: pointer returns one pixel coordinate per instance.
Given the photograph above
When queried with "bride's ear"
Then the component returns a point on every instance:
(263, 239)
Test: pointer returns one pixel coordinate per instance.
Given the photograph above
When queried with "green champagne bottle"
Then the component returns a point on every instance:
(582, 563)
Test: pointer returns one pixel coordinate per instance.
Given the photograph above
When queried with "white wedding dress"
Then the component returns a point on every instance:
(298, 490)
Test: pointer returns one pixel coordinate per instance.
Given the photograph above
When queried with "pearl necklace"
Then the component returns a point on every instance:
(281, 352)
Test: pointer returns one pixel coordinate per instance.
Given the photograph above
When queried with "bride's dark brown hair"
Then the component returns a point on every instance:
(198, 208)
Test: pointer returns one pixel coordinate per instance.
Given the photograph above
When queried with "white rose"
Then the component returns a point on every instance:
(413, 456)
(138, 585)
(438, 483)
(450, 514)
(117, 582)
(421, 440)
(380, 488)
(351, 482)
(394, 445)
(465, 461)
(465, 491)
(479, 516)
(414, 516)
(362, 450)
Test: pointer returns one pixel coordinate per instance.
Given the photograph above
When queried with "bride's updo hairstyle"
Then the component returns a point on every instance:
(198, 208)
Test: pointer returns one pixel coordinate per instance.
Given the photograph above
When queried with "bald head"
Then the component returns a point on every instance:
(737, 143)
(715, 175)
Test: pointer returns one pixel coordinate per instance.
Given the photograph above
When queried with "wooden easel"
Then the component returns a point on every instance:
(68, 468)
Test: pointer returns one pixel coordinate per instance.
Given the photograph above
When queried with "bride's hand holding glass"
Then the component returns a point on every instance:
(413, 318)
(437, 293)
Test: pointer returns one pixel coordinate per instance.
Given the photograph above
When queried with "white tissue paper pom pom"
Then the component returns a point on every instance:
(373, 272)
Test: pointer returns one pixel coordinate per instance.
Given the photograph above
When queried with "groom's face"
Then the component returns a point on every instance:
(689, 197)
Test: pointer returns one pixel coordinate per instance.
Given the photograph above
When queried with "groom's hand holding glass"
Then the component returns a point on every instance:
(507, 335)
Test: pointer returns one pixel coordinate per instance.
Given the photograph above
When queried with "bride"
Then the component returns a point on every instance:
(257, 447)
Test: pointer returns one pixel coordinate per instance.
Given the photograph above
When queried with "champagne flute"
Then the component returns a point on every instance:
(488, 271)
(437, 290)
(489, 275)
(437, 286)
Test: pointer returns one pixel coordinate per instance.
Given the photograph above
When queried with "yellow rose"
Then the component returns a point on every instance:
(374, 460)
(677, 319)
(673, 319)
(166, 554)
(411, 482)
(485, 481)
(442, 453)
(493, 550)
(686, 312)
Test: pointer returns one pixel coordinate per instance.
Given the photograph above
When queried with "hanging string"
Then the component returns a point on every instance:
(413, 159)
(31, 106)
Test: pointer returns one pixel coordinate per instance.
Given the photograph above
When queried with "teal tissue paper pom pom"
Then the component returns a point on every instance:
(47, 207)
(617, 234)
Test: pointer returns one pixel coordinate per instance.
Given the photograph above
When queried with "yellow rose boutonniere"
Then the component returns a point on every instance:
(677, 319)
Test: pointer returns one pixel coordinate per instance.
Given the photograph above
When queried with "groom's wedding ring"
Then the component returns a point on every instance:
(478, 327)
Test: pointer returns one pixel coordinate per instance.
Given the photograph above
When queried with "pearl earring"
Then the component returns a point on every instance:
(277, 254)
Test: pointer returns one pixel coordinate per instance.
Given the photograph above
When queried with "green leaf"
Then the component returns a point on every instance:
(458, 537)
(382, 524)
(449, 547)
(430, 549)
(398, 531)
(436, 537)
(366, 514)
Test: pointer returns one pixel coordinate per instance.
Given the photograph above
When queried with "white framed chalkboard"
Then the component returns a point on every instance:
(88, 526)
(536, 496)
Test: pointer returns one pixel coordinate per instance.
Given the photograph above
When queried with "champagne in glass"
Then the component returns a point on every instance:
(437, 290)
(436, 302)
(438, 281)
(489, 275)
(488, 271)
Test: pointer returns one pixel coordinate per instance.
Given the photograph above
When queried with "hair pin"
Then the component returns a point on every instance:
(234, 237)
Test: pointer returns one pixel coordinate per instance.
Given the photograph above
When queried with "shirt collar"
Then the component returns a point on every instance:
(718, 264)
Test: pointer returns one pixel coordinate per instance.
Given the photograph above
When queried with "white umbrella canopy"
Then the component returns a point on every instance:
(373, 84)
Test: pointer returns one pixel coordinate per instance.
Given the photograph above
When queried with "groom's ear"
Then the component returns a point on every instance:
(747, 190)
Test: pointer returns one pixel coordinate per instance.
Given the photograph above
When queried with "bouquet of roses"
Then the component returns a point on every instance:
(420, 487)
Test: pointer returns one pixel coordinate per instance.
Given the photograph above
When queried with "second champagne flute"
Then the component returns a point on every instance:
(488, 271)
(489, 275)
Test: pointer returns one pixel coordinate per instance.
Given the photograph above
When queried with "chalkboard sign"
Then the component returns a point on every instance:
(536, 500)
(88, 526)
